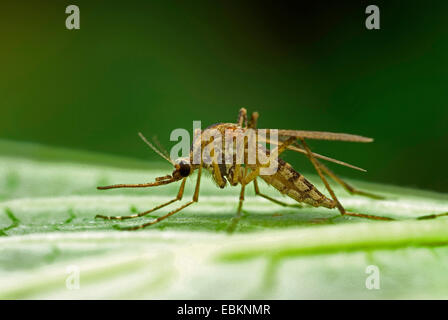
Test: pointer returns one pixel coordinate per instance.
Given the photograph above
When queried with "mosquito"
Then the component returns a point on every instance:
(286, 180)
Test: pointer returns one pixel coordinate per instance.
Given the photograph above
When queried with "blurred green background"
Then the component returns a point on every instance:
(154, 66)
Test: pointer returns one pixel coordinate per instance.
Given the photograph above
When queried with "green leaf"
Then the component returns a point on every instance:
(48, 201)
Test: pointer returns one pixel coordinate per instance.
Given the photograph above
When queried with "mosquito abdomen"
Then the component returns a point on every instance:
(296, 186)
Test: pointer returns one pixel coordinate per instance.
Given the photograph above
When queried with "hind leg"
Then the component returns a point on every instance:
(281, 203)
(345, 185)
(330, 190)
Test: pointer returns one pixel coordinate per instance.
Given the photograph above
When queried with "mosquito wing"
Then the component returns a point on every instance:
(321, 135)
(303, 151)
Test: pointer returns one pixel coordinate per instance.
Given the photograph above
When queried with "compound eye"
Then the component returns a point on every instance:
(184, 169)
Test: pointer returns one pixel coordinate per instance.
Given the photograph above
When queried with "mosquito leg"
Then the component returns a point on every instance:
(345, 185)
(284, 204)
(217, 171)
(296, 148)
(242, 117)
(330, 190)
(217, 175)
(155, 220)
(271, 156)
(248, 178)
(159, 181)
(433, 216)
(237, 218)
(235, 176)
(195, 199)
(253, 120)
(141, 214)
(243, 187)
(282, 147)
(236, 172)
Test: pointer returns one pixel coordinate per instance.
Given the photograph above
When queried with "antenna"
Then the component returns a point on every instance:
(155, 149)
(159, 145)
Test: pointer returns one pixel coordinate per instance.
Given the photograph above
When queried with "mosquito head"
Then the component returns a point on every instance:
(182, 169)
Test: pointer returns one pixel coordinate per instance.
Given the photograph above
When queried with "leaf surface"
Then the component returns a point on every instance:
(48, 201)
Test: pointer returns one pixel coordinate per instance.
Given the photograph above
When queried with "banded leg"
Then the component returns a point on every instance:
(141, 214)
(330, 190)
(284, 204)
(195, 199)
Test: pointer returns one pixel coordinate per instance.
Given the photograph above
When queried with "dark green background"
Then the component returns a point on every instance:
(153, 66)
